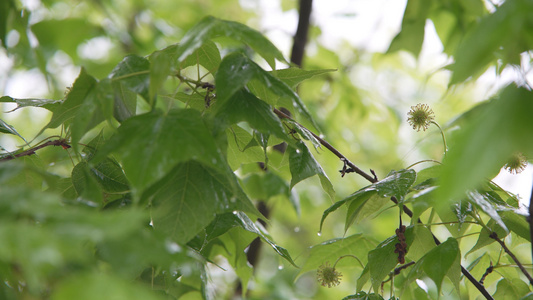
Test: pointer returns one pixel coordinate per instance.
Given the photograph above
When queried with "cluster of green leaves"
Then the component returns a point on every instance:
(458, 194)
(167, 168)
(476, 38)
(164, 164)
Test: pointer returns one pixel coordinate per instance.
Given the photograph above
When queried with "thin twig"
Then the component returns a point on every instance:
(400, 268)
(372, 179)
(487, 272)
(494, 236)
(330, 148)
(31, 151)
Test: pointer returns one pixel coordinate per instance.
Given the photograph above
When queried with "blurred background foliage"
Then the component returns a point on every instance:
(361, 108)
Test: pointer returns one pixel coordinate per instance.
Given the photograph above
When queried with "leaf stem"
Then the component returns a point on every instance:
(423, 161)
(329, 147)
(443, 137)
(348, 255)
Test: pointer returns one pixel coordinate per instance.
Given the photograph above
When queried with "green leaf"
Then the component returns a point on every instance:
(187, 200)
(125, 104)
(160, 67)
(511, 288)
(265, 185)
(220, 225)
(211, 27)
(236, 241)
(247, 224)
(396, 184)
(293, 76)
(238, 152)
(329, 251)
(480, 200)
(244, 106)
(331, 209)
(194, 100)
(91, 286)
(381, 261)
(150, 145)
(110, 176)
(371, 199)
(484, 238)
(88, 103)
(207, 56)
(504, 127)
(68, 109)
(303, 165)
(85, 184)
(6, 7)
(516, 223)
(96, 107)
(502, 30)
(134, 73)
(364, 296)
(363, 206)
(420, 241)
(411, 36)
(440, 260)
(33, 102)
(236, 70)
(304, 133)
(6, 128)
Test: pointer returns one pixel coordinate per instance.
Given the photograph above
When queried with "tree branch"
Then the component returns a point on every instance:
(373, 179)
(300, 38)
(31, 151)
(494, 236)
(356, 169)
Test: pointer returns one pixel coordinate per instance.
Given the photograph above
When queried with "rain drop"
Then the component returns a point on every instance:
(235, 212)
(297, 229)
(280, 267)
(297, 150)
(319, 233)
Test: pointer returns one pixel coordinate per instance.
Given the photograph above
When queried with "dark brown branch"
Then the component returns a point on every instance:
(406, 210)
(330, 148)
(494, 236)
(31, 151)
(487, 272)
(300, 38)
(402, 267)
